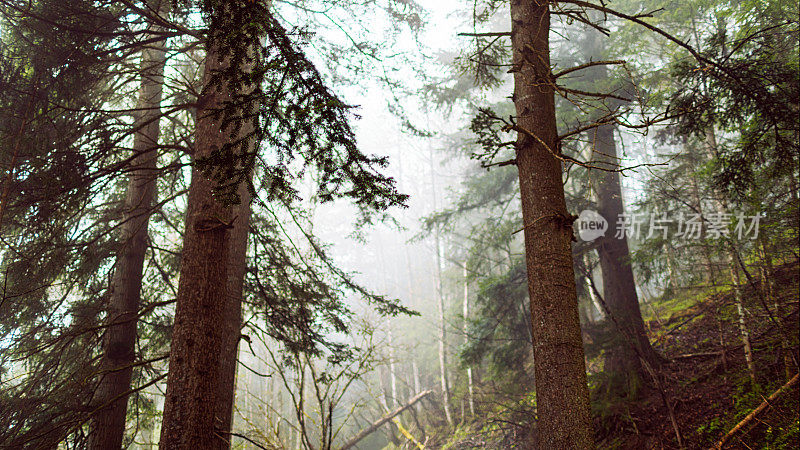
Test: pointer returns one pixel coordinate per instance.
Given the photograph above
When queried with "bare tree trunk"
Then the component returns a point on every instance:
(390, 402)
(596, 311)
(619, 287)
(440, 310)
(672, 282)
(392, 367)
(417, 383)
(411, 299)
(745, 333)
(201, 347)
(722, 208)
(470, 392)
(442, 333)
(564, 419)
(107, 429)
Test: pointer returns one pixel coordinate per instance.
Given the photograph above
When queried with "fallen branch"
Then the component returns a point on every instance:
(755, 412)
(700, 355)
(408, 434)
(387, 417)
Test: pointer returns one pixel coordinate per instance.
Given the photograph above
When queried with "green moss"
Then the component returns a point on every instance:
(782, 437)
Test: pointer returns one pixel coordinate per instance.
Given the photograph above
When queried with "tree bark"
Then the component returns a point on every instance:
(107, 429)
(232, 320)
(562, 396)
(202, 352)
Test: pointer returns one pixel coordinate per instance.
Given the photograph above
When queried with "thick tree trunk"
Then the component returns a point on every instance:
(232, 320)
(562, 396)
(202, 350)
(108, 426)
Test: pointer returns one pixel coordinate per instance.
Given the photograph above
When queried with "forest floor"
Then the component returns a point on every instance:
(706, 382)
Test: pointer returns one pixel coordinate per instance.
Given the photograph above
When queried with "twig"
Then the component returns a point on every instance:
(229, 433)
(489, 34)
(586, 65)
(510, 162)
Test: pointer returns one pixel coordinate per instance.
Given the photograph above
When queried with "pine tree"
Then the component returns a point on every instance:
(562, 396)
(254, 91)
(119, 353)
(631, 345)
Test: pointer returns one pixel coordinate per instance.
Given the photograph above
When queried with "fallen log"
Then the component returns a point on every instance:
(387, 417)
(755, 412)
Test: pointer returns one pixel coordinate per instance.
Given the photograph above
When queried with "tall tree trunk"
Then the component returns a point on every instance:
(392, 366)
(743, 330)
(108, 426)
(619, 287)
(440, 310)
(442, 332)
(202, 350)
(720, 204)
(562, 396)
(390, 402)
(232, 320)
(470, 392)
(415, 374)
(771, 294)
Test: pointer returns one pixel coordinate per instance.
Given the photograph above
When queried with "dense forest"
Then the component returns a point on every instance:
(396, 224)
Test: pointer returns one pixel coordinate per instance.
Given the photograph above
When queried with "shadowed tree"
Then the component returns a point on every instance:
(631, 343)
(116, 364)
(252, 92)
